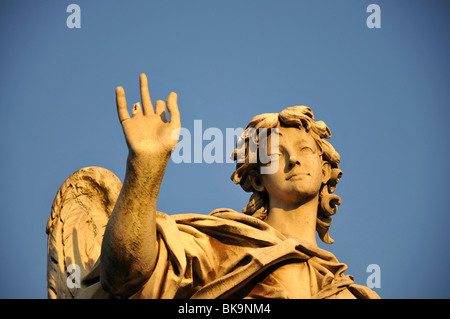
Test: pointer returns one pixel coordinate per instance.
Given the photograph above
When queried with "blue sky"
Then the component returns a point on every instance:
(383, 93)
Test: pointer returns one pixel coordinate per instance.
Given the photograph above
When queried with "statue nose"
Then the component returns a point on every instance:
(293, 160)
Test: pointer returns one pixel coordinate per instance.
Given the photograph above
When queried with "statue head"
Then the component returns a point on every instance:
(306, 164)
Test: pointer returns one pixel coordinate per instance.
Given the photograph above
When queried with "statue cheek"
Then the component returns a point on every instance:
(317, 177)
(271, 181)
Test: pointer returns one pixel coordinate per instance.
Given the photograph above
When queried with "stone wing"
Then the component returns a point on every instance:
(75, 228)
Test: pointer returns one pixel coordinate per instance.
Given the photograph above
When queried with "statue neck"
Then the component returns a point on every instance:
(294, 220)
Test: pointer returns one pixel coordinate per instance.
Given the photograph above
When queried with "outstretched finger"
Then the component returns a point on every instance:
(121, 103)
(145, 95)
(172, 107)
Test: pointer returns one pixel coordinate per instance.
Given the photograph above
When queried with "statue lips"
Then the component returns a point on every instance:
(295, 176)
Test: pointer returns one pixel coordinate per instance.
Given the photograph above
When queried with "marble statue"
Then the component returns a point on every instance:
(122, 247)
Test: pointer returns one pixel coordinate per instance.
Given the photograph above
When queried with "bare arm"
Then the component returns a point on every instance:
(129, 245)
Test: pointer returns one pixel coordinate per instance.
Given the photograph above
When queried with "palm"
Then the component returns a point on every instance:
(148, 130)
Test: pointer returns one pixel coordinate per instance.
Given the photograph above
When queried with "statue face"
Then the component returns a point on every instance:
(301, 170)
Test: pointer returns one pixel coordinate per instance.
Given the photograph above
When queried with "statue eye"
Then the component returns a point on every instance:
(306, 150)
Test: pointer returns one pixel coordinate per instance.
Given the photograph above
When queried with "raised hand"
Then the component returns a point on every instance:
(148, 132)
(129, 250)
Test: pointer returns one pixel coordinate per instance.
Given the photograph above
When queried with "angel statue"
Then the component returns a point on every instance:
(110, 236)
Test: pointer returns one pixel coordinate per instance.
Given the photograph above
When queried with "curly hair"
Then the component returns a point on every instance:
(294, 116)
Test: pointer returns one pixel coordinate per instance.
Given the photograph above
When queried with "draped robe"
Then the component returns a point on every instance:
(227, 254)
